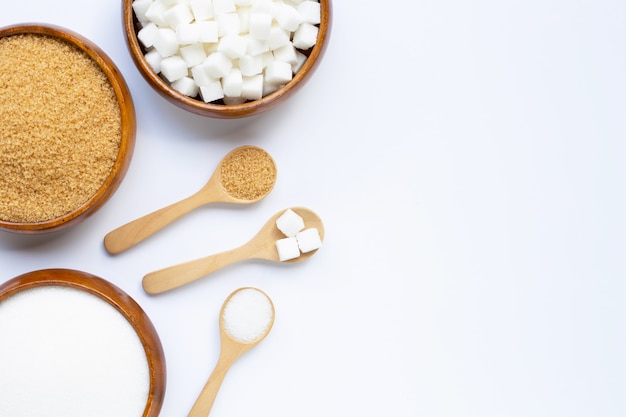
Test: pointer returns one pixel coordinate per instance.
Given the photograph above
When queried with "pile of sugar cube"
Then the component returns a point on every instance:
(297, 239)
(230, 50)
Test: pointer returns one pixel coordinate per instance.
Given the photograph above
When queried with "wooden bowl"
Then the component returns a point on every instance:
(121, 302)
(215, 109)
(128, 129)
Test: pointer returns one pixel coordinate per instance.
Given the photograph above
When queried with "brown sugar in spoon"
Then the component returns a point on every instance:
(261, 246)
(246, 317)
(245, 175)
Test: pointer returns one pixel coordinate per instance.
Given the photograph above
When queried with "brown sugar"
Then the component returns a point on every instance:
(248, 173)
(60, 128)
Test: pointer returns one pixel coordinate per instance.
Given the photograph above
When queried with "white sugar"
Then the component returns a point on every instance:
(287, 249)
(309, 240)
(244, 31)
(252, 87)
(305, 37)
(68, 353)
(290, 223)
(174, 68)
(248, 315)
(278, 72)
(297, 239)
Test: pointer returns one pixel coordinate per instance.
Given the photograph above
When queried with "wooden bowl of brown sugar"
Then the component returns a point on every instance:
(68, 128)
(212, 43)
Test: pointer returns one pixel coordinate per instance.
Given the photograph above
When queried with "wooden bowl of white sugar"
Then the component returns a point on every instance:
(75, 345)
(227, 58)
(68, 128)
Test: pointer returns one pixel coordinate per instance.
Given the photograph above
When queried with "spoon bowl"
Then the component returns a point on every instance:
(261, 246)
(238, 179)
(231, 348)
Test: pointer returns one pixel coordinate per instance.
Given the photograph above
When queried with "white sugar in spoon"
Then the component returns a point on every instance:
(246, 317)
(245, 175)
(261, 246)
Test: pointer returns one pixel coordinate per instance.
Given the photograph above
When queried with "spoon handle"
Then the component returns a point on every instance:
(178, 275)
(131, 233)
(206, 398)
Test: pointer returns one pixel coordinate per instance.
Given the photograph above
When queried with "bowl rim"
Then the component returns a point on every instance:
(128, 127)
(250, 108)
(120, 301)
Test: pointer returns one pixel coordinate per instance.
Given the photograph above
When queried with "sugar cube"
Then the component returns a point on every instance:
(228, 24)
(278, 72)
(309, 240)
(212, 92)
(267, 58)
(310, 11)
(279, 37)
(288, 17)
(263, 6)
(148, 34)
(224, 6)
(208, 31)
(252, 87)
(233, 46)
(187, 34)
(155, 13)
(153, 58)
(260, 26)
(269, 88)
(290, 223)
(251, 65)
(202, 9)
(305, 36)
(140, 7)
(174, 68)
(232, 83)
(201, 76)
(217, 64)
(166, 42)
(287, 249)
(301, 59)
(166, 3)
(256, 47)
(186, 86)
(193, 54)
(286, 53)
(178, 15)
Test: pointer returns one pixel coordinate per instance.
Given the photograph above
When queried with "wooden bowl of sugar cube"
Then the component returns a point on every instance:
(68, 128)
(227, 58)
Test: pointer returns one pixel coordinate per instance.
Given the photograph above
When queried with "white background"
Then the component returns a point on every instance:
(467, 157)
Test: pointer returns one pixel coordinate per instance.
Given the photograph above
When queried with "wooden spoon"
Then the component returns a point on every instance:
(217, 189)
(261, 246)
(231, 349)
